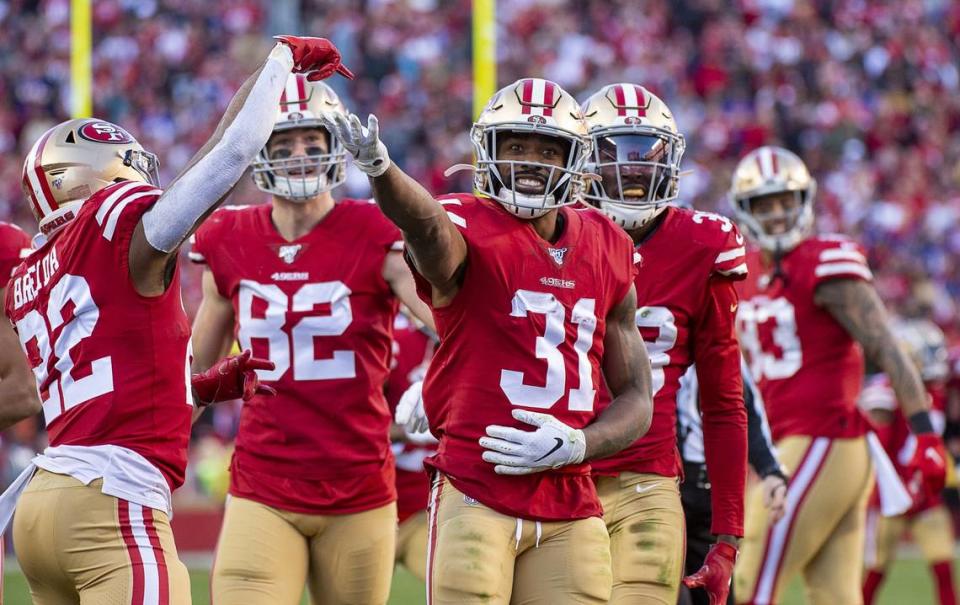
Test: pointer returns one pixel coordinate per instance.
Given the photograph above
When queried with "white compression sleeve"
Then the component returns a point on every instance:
(173, 216)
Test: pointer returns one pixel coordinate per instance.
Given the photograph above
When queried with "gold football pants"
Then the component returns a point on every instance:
(265, 555)
(647, 540)
(820, 536)
(931, 530)
(477, 555)
(412, 544)
(76, 544)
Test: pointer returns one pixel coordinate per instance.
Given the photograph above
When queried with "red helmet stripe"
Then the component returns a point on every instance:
(38, 170)
(302, 91)
(773, 161)
(37, 180)
(621, 100)
(763, 172)
(33, 196)
(549, 90)
(526, 96)
(641, 101)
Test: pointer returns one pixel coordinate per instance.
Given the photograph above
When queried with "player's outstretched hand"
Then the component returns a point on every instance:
(231, 378)
(316, 57)
(714, 576)
(364, 144)
(516, 452)
(775, 496)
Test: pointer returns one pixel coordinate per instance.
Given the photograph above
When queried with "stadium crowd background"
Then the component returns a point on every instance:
(867, 92)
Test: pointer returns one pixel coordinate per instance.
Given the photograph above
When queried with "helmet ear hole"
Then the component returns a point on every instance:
(70, 138)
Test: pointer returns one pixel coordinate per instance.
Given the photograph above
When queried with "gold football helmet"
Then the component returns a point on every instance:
(636, 154)
(768, 170)
(301, 178)
(536, 106)
(75, 159)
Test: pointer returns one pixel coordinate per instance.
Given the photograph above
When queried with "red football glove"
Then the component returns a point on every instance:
(716, 572)
(231, 378)
(928, 468)
(317, 57)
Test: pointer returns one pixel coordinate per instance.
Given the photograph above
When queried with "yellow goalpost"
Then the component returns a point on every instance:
(484, 53)
(81, 98)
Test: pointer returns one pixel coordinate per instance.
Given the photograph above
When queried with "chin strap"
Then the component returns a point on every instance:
(778, 272)
(458, 168)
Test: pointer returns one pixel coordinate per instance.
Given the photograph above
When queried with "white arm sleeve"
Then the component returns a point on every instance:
(174, 215)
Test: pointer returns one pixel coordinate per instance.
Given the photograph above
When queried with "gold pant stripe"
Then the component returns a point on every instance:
(779, 535)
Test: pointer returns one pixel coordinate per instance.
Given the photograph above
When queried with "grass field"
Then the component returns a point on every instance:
(909, 582)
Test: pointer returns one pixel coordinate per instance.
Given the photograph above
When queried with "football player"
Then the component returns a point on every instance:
(928, 520)
(98, 312)
(808, 315)
(531, 297)
(314, 286)
(686, 307)
(413, 349)
(18, 393)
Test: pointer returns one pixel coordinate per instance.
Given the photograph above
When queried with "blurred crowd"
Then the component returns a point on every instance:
(867, 92)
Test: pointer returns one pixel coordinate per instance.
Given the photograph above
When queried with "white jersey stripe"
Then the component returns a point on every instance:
(117, 210)
(740, 269)
(457, 220)
(841, 268)
(804, 479)
(112, 199)
(731, 254)
(834, 254)
(151, 576)
(453, 200)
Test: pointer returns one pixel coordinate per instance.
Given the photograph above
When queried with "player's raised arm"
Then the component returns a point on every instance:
(626, 368)
(433, 242)
(216, 168)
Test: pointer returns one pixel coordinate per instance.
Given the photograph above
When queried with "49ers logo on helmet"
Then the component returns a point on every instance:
(105, 132)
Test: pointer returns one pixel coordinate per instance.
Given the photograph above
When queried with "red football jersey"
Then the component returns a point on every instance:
(14, 247)
(807, 366)
(319, 308)
(112, 366)
(897, 438)
(412, 350)
(525, 330)
(681, 320)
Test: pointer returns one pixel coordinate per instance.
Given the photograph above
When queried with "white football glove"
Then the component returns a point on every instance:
(410, 414)
(516, 452)
(364, 144)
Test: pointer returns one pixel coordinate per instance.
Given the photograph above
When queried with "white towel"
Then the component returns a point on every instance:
(9, 498)
(894, 497)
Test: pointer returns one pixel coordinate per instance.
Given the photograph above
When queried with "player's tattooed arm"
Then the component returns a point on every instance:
(857, 307)
(433, 242)
(18, 389)
(626, 369)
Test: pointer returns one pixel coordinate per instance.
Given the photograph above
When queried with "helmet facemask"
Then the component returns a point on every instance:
(798, 218)
(510, 181)
(303, 177)
(637, 172)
